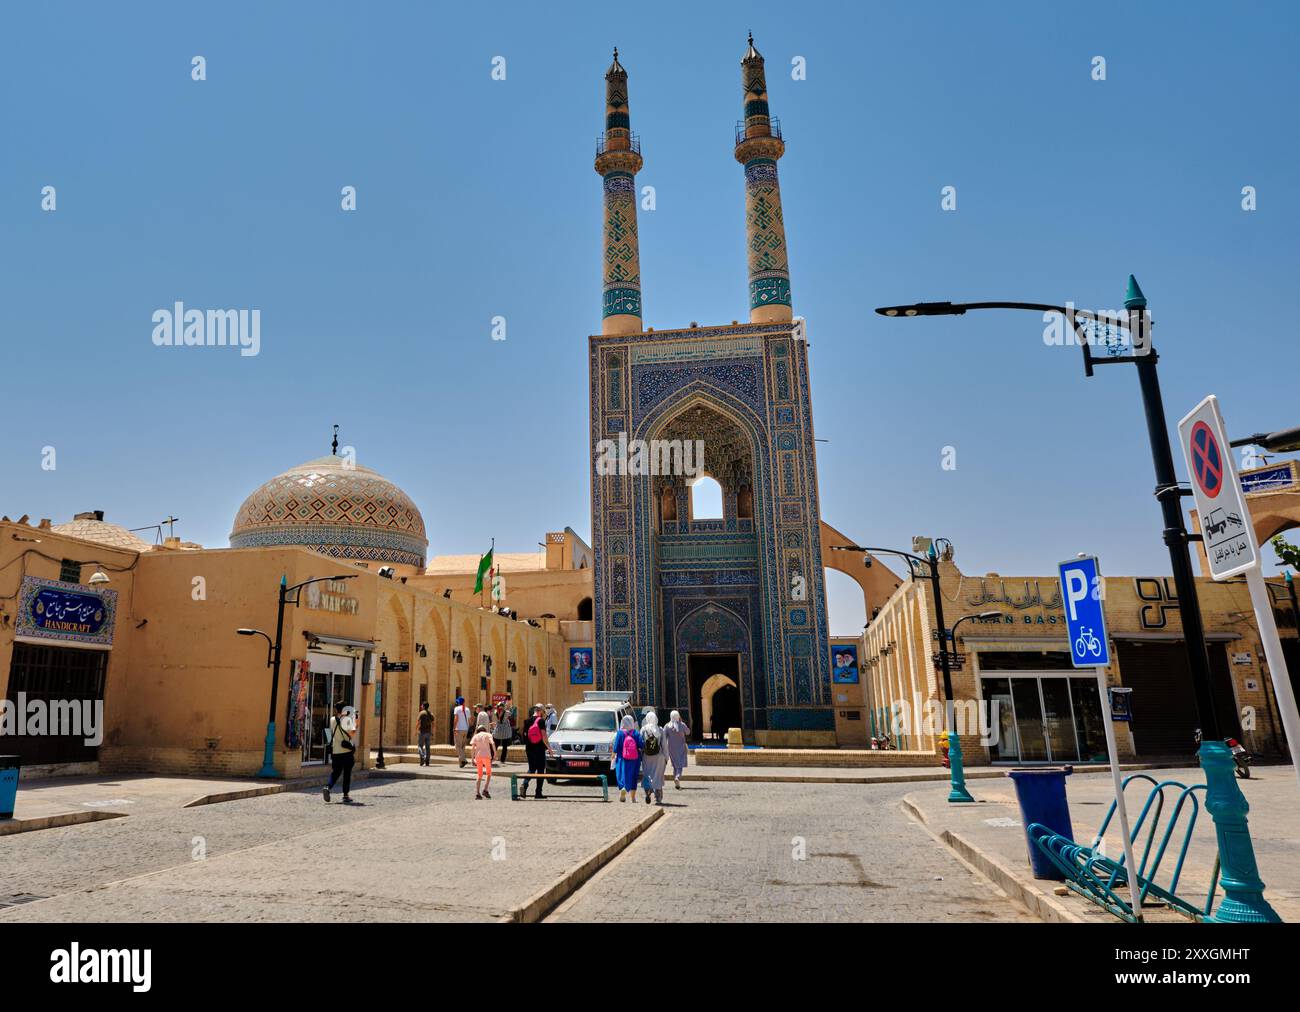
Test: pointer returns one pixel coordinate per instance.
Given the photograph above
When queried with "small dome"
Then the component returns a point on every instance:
(93, 527)
(337, 507)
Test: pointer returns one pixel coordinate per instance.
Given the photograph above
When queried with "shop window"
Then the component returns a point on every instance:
(70, 571)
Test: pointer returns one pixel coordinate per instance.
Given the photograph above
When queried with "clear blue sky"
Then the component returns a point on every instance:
(476, 198)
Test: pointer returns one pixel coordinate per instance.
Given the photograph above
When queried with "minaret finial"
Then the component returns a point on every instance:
(334, 447)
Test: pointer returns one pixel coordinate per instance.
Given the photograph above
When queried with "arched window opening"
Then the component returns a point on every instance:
(706, 499)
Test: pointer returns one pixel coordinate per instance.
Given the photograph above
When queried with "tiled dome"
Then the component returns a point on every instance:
(337, 507)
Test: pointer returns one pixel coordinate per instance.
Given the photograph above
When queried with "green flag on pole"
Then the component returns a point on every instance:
(484, 564)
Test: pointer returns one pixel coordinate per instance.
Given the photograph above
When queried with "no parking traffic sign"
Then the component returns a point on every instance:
(1225, 522)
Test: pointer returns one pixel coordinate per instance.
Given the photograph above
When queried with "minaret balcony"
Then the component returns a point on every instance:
(624, 142)
(773, 123)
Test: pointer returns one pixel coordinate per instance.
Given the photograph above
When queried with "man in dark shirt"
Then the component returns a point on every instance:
(424, 724)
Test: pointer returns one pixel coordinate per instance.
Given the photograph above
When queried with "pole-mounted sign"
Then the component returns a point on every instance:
(1225, 520)
(1230, 544)
(1083, 595)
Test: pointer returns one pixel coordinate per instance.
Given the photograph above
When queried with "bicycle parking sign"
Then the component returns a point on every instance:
(1085, 615)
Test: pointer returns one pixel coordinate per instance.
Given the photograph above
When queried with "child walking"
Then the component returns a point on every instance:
(484, 750)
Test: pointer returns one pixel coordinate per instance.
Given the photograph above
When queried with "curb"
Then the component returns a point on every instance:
(1040, 904)
(940, 776)
(276, 788)
(552, 896)
(11, 826)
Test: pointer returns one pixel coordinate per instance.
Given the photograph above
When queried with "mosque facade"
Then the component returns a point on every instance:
(678, 598)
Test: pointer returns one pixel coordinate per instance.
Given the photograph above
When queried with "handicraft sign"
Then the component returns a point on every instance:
(50, 611)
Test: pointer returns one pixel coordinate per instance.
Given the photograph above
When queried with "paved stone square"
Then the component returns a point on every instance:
(422, 849)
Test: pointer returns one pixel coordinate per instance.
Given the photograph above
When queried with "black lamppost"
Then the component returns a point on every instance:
(958, 792)
(1167, 490)
(273, 661)
(1243, 899)
(383, 707)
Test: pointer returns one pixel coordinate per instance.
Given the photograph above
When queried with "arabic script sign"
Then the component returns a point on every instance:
(67, 613)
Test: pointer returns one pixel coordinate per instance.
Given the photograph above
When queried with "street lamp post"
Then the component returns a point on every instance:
(273, 662)
(1243, 890)
(383, 705)
(958, 794)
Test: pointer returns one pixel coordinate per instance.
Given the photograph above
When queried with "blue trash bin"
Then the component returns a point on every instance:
(9, 766)
(1041, 795)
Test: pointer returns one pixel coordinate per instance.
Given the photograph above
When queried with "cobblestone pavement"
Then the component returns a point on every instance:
(727, 852)
(423, 850)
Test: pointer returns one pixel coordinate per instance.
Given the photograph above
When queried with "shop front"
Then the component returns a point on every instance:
(54, 710)
(1010, 661)
(332, 673)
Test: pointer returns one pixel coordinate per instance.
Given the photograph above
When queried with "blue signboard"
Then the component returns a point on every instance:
(1268, 479)
(1081, 592)
(67, 613)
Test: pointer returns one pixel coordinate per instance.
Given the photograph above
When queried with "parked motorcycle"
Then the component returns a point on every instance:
(1239, 754)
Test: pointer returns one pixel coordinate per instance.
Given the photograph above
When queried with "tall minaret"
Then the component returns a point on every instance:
(758, 147)
(618, 160)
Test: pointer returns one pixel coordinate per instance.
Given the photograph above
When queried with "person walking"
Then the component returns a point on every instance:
(536, 742)
(502, 731)
(512, 715)
(424, 725)
(654, 758)
(627, 758)
(552, 718)
(460, 720)
(676, 735)
(483, 748)
(483, 719)
(342, 752)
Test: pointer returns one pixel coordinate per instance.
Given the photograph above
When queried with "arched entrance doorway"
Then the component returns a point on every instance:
(714, 693)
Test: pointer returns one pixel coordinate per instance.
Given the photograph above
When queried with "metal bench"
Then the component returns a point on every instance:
(553, 777)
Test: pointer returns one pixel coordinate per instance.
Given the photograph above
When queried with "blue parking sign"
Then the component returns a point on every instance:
(1081, 594)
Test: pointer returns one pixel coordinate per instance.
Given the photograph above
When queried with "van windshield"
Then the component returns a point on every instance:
(588, 720)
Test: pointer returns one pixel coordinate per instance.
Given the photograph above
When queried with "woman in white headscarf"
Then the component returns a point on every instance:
(654, 757)
(627, 757)
(676, 734)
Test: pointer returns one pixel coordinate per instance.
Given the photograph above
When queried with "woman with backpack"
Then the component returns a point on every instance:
(627, 757)
(654, 757)
(536, 742)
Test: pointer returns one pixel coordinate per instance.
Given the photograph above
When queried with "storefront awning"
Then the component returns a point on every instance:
(1172, 637)
(339, 641)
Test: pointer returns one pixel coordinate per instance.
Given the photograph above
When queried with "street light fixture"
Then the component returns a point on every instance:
(273, 661)
(1282, 441)
(958, 794)
(1243, 890)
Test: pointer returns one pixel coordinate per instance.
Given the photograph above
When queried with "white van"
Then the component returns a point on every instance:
(583, 741)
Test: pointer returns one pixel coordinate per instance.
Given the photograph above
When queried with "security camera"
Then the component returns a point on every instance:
(866, 561)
